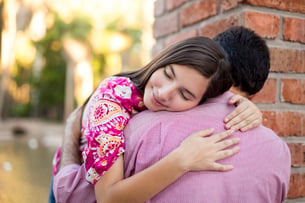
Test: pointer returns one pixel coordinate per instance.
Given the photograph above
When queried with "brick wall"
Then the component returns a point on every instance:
(282, 24)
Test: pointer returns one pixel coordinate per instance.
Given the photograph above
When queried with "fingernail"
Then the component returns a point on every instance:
(226, 120)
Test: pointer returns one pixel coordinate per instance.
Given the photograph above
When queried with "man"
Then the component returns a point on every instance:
(261, 167)
(74, 174)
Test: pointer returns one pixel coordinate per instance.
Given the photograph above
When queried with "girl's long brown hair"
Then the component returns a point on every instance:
(200, 53)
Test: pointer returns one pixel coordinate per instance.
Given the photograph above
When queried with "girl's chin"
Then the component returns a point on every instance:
(154, 108)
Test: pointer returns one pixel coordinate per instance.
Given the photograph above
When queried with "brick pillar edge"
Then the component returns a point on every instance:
(282, 24)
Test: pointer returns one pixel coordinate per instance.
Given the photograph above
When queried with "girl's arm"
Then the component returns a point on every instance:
(245, 116)
(197, 152)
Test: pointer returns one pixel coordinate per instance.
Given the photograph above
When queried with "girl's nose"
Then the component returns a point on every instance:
(166, 92)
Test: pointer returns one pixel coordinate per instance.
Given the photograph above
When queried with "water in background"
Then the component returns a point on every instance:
(25, 167)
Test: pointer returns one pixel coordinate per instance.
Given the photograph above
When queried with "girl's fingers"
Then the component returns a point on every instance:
(205, 132)
(236, 112)
(227, 153)
(251, 125)
(242, 121)
(219, 167)
(226, 143)
(246, 117)
(222, 135)
(251, 121)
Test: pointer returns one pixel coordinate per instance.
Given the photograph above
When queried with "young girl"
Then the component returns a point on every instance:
(181, 77)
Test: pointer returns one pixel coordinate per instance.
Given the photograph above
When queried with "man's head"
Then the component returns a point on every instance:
(249, 58)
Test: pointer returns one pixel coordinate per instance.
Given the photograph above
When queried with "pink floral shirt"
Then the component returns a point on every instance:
(105, 116)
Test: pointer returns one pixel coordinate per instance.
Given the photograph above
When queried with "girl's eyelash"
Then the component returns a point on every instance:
(183, 96)
(169, 77)
(166, 74)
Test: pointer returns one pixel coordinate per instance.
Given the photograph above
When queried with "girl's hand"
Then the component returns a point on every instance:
(245, 116)
(200, 151)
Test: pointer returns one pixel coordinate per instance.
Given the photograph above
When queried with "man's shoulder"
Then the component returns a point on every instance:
(264, 137)
(265, 132)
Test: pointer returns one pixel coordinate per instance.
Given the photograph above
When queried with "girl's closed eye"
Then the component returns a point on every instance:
(184, 96)
(169, 72)
(166, 73)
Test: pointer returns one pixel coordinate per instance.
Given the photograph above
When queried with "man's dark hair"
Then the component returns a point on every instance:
(249, 58)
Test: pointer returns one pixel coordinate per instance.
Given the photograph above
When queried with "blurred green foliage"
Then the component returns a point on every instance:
(48, 87)
(51, 83)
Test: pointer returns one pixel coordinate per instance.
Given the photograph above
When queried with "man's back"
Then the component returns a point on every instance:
(261, 168)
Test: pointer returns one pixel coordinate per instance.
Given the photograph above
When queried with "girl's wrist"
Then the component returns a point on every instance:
(180, 162)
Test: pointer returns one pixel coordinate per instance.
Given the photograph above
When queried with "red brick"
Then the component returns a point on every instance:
(159, 7)
(172, 4)
(173, 39)
(166, 25)
(212, 29)
(287, 60)
(157, 48)
(198, 11)
(297, 154)
(265, 25)
(297, 96)
(289, 5)
(294, 29)
(229, 4)
(296, 185)
(268, 93)
(285, 123)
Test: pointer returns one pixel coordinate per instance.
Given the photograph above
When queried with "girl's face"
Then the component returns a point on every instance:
(174, 88)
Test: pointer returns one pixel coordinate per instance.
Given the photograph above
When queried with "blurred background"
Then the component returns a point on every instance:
(53, 54)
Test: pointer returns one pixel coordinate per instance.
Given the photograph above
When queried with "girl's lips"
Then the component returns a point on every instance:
(156, 102)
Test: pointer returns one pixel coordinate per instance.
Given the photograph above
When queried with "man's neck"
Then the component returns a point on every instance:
(236, 90)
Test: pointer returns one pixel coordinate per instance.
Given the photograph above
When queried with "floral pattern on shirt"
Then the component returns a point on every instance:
(106, 115)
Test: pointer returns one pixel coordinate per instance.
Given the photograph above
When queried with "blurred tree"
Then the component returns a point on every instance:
(1, 72)
(51, 83)
(112, 40)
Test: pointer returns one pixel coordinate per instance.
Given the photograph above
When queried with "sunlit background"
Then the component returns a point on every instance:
(53, 54)
(56, 51)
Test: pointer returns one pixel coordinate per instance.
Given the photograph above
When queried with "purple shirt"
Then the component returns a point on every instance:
(261, 168)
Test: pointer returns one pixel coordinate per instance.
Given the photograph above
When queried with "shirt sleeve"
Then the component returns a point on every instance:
(70, 185)
(105, 138)
(107, 113)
